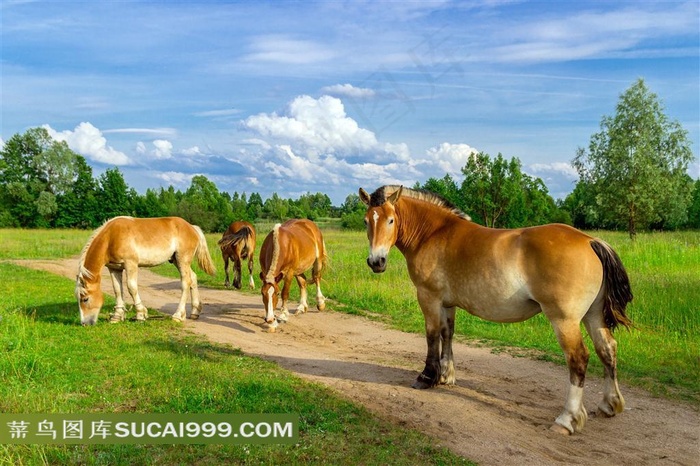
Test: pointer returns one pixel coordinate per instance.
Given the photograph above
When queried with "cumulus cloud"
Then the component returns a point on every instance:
(348, 90)
(162, 149)
(317, 127)
(448, 158)
(88, 141)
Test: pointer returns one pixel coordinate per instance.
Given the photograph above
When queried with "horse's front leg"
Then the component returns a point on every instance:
(132, 276)
(119, 313)
(432, 312)
(284, 312)
(447, 331)
(303, 299)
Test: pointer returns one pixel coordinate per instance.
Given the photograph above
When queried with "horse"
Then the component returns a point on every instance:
(122, 244)
(238, 243)
(504, 275)
(287, 252)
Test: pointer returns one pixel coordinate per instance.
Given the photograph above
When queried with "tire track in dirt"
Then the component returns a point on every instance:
(499, 412)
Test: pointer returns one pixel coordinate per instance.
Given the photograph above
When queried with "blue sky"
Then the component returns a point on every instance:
(296, 97)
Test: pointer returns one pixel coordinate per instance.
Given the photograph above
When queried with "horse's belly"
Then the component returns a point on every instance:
(506, 313)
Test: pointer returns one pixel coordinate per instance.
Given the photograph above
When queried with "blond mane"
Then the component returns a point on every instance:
(380, 196)
(270, 278)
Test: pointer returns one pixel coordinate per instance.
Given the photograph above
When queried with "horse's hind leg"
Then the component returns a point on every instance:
(606, 348)
(194, 291)
(237, 273)
(447, 330)
(574, 416)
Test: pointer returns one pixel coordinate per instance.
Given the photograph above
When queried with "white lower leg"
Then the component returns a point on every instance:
(574, 416)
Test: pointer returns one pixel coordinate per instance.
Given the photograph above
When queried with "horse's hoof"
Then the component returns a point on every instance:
(194, 316)
(272, 330)
(178, 319)
(423, 382)
(321, 306)
(559, 429)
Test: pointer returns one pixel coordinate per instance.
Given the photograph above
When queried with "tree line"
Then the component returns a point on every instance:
(632, 176)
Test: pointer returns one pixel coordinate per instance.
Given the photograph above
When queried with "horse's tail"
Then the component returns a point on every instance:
(203, 257)
(618, 292)
(244, 234)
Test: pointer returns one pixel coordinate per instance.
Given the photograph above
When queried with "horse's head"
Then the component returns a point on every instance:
(382, 229)
(90, 299)
(270, 295)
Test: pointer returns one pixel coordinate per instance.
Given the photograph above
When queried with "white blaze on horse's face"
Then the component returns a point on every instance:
(382, 233)
(270, 295)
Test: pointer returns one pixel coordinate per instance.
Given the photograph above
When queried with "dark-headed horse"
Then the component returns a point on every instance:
(237, 244)
(288, 251)
(123, 244)
(504, 276)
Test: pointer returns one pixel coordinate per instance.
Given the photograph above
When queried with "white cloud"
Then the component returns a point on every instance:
(317, 127)
(218, 113)
(2, 143)
(194, 150)
(88, 141)
(150, 131)
(287, 50)
(348, 90)
(163, 149)
(175, 178)
(448, 158)
(561, 168)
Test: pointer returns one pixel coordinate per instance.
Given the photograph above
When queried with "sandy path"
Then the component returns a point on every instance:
(498, 413)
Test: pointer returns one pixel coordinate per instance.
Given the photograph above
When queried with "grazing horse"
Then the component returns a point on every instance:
(287, 252)
(238, 243)
(125, 243)
(504, 276)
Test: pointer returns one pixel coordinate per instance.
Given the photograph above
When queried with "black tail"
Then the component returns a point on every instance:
(618, 292)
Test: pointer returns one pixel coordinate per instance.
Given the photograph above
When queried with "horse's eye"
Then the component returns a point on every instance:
(84, 300)
(391, 221)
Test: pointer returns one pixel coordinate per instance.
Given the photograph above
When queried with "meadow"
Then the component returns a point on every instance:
(51, 365)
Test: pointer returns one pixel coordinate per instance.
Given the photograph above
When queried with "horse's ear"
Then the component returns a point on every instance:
(395, 196)
(279, 277)
(364, 197)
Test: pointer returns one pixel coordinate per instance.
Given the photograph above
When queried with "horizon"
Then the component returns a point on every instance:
(330, 97)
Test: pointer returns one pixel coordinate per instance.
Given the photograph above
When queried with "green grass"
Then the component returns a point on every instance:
(49, 364)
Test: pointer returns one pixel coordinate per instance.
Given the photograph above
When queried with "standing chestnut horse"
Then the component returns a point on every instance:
(124, 244)
(288, 251)
(238, 243)
(504, 276)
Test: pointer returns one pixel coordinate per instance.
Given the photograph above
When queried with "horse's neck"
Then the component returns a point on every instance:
(418, 223)
(95, 259)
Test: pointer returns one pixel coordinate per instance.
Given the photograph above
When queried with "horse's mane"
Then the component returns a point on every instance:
(84, 273)
(275, 253)
(380, 196)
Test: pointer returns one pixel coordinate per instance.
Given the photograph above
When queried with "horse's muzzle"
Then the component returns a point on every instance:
(377, 264)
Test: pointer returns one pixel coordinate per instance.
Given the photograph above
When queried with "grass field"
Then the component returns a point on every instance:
(49, 364)
(661, 353)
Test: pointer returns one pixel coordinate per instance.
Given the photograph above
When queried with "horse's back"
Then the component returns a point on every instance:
(148, 241)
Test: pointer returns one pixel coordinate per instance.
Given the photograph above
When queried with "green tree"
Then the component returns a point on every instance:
(352, 213)
(276, 208)
(637, 163)
(114, 197)
(492, 190)
(694, 207)
(254, 207)
(77, 207)
(203, 205)
(34, 170)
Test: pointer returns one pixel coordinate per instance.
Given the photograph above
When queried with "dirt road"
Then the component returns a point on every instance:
(499, 413)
